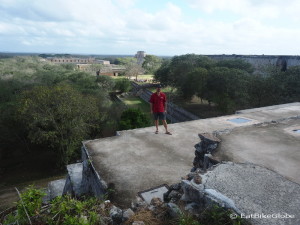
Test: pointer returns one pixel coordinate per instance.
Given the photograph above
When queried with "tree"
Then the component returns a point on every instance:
(68, 66)
(58, 117)
(175, 72)
(133, 69)
(126, 60)
(195, 83)
(105, 82)
(163, 73)
(151, 64)
(12, 135)
(133, 118)
(263, 91)
(290, 83)
(236, 64)
(227, 88)
(96, 67)
(122, 85)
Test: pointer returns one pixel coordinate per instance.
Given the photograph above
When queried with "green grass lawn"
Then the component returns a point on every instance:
(146, 76)
(136, 102)
(199, 108)
(118, 77)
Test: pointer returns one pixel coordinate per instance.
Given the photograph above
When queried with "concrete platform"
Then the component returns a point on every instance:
(273, 145)
(257, 192)
(139, 159)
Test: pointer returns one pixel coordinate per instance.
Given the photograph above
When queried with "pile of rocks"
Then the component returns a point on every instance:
(189, 195)
(158, 209)
(195, 196)
(118, 216)
(203, 158)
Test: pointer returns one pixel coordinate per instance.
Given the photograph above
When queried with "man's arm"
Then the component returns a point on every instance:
(151, 103)
(165, 104)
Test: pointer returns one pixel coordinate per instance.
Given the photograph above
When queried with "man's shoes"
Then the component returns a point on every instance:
(169, 133)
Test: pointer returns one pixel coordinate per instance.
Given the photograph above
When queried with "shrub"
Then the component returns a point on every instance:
(187, 219)
(62, 210)
(31, 200)
(123, 85)
(217, 215)
(70, 211)
(133, 118)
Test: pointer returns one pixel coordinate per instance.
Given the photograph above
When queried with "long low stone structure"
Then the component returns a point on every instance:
(140, 159)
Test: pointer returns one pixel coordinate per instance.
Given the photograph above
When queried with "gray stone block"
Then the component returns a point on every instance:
(92, 183)
(138, 223)
(127, 214)
(213, 196)
(192, 192)
(173, 210)
(193, 208)
(116, 214)
(75, 174)
(56, 188)
(68, 189)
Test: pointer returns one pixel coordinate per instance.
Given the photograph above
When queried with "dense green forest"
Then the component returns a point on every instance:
(52, 108)
(229, 84)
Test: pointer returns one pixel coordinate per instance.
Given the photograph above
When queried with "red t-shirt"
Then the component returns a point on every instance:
(158, 102)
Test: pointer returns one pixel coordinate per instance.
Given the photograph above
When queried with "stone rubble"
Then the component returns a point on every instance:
(127, 214)
(203, 158)
(138, 223)
(173, 210)
(116, 214)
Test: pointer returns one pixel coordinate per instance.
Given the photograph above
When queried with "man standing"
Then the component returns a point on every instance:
(158, 104)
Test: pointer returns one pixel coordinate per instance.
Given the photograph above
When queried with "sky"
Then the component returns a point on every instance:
(158, 27)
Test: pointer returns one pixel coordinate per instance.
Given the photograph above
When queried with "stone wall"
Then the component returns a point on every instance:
(91, 181)
(72, 60)
(261, 61)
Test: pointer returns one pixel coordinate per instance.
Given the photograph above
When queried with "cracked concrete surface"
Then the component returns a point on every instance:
(255, 189)
(139, 159)
(272, 145)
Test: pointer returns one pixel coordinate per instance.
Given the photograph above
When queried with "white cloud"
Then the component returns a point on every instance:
(119, 27)
(259, 9)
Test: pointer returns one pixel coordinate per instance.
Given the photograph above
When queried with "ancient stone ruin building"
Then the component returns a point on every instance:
(261, 61)
(73, 60)
(140, 55)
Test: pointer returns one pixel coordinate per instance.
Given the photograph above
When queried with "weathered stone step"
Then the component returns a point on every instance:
(74, 179)
(55, 188)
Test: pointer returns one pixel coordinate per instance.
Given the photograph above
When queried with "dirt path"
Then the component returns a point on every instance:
(22, 170)
(8, 194)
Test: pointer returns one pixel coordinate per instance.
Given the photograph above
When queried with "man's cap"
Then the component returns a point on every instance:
(158, 86)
